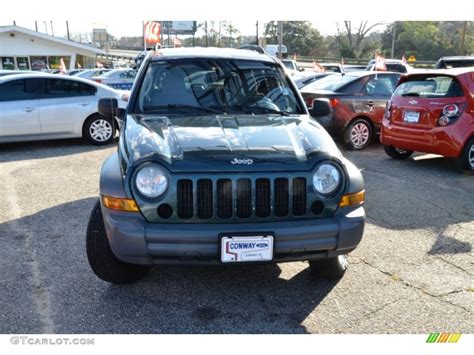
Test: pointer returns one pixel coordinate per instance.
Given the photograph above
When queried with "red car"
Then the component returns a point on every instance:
(351, 106)
(432, 112)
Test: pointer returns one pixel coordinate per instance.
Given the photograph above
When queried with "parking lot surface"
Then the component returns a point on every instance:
(412, 273)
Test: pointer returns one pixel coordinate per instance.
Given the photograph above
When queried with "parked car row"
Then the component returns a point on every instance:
(429, 111)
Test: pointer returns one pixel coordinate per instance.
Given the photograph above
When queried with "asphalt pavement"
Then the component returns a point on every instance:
(412, 272)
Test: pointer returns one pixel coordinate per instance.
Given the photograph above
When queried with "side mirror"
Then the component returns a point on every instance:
(321, 107)
(108, 107)
(301, 69)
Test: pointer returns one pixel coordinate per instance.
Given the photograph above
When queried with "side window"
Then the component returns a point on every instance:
(16, 90)
(380, 85)
(128, 74)
(56, 88)
(355, 87)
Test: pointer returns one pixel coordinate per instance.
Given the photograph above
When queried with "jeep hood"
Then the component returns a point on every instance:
(207, 143)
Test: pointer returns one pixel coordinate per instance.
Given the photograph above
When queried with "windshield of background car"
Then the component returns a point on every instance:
(332, 82)
(448, 64)
(399, 68)
(197, 86)
(436, 86)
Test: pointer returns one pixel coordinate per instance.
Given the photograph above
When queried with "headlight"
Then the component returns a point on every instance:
(326, 179)
(151, 181)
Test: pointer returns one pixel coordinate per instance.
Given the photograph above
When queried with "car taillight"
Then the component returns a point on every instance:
(98, 81)
(333, 102)
(450, 113)
(450, 110)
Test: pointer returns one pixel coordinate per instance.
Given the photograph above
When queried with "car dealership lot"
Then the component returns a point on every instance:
(412, 273)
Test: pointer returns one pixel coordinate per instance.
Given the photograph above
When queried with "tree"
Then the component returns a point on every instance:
(429, 40)
(299, 37)
(352, 38)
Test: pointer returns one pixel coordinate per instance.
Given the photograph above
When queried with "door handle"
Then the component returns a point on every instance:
(28, 109)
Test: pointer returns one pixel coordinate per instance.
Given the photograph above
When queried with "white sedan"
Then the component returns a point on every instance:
(47, 106)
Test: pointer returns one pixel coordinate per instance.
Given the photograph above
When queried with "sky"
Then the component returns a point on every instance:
(133, 28)
(125, 18)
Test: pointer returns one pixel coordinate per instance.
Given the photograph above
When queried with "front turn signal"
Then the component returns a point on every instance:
(120, 204)
(353, 199)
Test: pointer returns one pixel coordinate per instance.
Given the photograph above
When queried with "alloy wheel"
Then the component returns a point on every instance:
(100, 130)
(470, 157)
(360, 135)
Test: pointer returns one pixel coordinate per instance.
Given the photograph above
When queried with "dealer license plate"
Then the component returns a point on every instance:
(411, 116)
(246, 248)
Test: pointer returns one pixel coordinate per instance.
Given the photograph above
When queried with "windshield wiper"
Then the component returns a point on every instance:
(271, 110)
(181, 107)
(250, 109)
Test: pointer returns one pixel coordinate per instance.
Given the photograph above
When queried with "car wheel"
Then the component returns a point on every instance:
(331, 269)
(101, 258)
(466, 159)
(358, 134)
(397, 153)
(99, 130)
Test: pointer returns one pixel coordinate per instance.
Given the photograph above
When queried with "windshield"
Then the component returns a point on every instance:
(332, 82)
(197, 86)
(430, 87)
(458, 63)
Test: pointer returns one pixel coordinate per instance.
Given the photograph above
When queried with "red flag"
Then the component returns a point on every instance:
(380, 63)
(318, 68)
(151, 32)
(404, 60)
(62, 66)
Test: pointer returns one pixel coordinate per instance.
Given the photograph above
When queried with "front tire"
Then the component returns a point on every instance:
(330, 269)
(397, 153)
(101, 258)
(358, 134)
(99, 130)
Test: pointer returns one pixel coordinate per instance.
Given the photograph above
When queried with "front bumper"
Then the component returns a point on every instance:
(134, 240)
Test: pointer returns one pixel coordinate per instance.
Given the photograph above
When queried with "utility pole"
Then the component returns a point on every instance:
(256, 42)
(52, 31)
(207, 37)
(14, 23)
(280, 39)
(394, 32)
(463, 37)
(162, 35)
(169, 34)
(67, 29)
(36, 25)
(45, 27)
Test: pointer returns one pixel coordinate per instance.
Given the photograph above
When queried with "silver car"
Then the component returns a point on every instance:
(47, 106)
(91, 73)
(121, 79)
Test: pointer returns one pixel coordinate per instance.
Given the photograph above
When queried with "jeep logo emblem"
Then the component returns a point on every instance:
(242, 161)
(412, 102)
